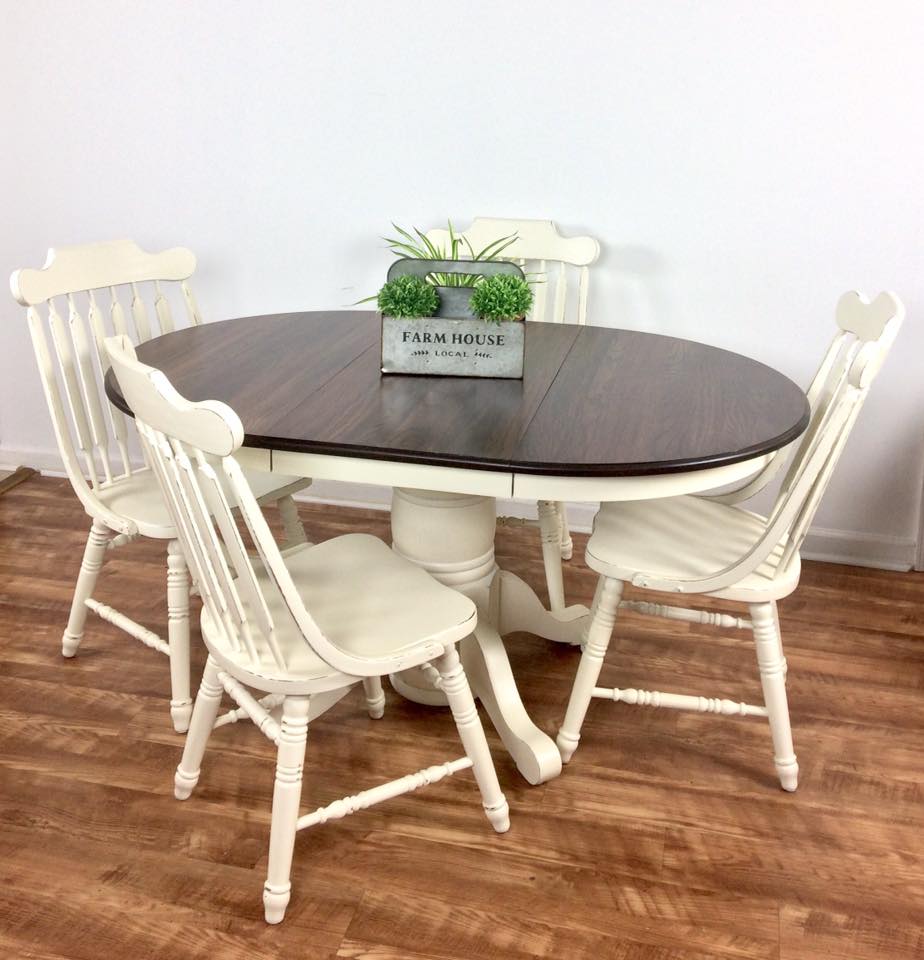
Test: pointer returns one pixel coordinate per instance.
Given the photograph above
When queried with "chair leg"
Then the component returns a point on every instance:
(93, 555)
(776, 617)
(567, 545)
(597, 639)
(772, 677)
(295, 532)
(594, 604)
(208, 701)
(375, 697)
(178, 636)
(465, 713)
(287, 794)
(550, 531)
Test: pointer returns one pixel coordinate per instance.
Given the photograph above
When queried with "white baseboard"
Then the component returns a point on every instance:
(859, 549)
(833, 546)
(47, 463)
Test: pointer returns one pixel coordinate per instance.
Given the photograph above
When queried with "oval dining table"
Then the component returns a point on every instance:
(601, 414)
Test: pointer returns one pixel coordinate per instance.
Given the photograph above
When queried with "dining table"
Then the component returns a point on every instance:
(601, 414)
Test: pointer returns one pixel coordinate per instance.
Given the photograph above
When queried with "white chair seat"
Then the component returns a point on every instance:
(139, 498)
(385, 607)
(687, 538)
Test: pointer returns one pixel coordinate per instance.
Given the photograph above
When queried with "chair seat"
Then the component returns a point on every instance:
(687, 538)
(138, 498)
(365, 599)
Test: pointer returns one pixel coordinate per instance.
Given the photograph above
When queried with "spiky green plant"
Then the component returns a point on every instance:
(501, 297)
(418, 246)
(408, 297)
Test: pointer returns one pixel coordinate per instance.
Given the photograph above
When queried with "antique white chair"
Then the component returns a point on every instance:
(548, 258)
(703, 545)
(121, 497)
(320, 619)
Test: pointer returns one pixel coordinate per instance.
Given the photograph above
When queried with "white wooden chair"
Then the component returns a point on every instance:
(550, 260)
(320, 619)
(121, 497)
(702, 545)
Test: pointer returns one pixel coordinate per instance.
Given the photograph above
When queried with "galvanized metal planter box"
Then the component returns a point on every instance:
(453, 343)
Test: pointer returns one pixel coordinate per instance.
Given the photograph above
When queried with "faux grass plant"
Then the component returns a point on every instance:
(417, 246)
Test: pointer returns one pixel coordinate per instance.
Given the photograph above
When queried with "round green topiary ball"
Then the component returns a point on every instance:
(408, 297)
(501, 297)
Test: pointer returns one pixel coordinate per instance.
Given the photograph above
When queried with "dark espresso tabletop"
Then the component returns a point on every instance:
(593, 401)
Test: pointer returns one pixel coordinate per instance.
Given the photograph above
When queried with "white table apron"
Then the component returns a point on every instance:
(443, 519)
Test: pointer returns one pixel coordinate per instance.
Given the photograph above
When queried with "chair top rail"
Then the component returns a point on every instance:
(210, 425)
(536, 240)
(94, 266)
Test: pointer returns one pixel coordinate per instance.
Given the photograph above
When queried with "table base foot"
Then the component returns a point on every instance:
(485, 660)
(452, 537)
(515, 607)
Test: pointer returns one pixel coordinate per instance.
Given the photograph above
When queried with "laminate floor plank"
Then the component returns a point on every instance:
(666, 838)
(452, 928)
(608, 900)
(808, 932)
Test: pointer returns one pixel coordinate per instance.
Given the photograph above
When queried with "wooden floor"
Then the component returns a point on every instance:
(667, 838)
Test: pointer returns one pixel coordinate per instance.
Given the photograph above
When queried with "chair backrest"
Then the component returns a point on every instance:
(851, 312)
(80, 296)
(866, 332)
(190, 447)
(545, 256)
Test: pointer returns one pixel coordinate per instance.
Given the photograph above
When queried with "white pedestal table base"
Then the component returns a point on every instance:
(452, 537)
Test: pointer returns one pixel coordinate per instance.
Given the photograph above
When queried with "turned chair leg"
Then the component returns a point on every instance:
(567, 544)
(93, 555)
(773, 680)
(287, 794)
(295, 532)
(776, 617)
(465, 713)
(178, 636)
(208, 701)
(550, 532)
(375, 697)
(596, 641)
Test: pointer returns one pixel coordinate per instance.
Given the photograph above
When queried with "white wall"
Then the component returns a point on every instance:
(743, 164)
